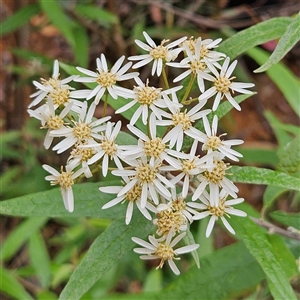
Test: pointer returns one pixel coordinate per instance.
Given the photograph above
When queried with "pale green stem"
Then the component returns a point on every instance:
(188, 90)
(105, 104)
(164, 74)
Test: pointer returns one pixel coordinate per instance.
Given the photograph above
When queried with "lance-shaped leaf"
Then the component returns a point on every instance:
(225, 274)
(88, 203)
(263, 176)
(255, 35)
(259, 246)
(105, 252)
(285, 44)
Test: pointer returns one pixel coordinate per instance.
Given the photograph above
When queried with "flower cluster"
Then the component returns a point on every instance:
(170, 187)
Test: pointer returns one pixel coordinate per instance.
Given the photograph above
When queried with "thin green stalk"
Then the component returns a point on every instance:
(105, 104)
(188, 90)
(165, 78)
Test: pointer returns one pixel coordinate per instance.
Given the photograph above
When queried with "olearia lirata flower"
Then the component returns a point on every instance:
(223, 85)
(84, 131)
(106, 79)
(65, 179)
(158, 54)
(221, 210)
(163, 249)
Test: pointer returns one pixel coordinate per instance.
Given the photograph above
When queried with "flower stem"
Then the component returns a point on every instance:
(188, 90)
(165, 78)
(105, 104)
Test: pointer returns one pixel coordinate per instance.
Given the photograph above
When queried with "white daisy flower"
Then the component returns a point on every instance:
(106, 79)
(222, 210)
(49, 120)
(223, 85)
(212, 142)
(146, 173)
(152, 146)
(215, 178)
(65, 179)
(195, 64)
(133, 196)
(148, 98)
(58, 90)
(107, 149)
(158, 54)
(173, 215)
(191, 165)
(84, 131)
(203, 48)
(80, 155)
(163, 249)
(182, 122)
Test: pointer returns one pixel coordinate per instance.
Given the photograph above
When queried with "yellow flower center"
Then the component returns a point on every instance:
(54, 82)
(154, 147)
(187, 166)
(219, 210)
(145, 174)
(160, 51)
(191, 44)
(54, 122)
(82, 132)
(197, 65)
(183, 119)
(203, 51)
(109, 147)
(147, 95)
(164, 252)
(217, 173)
(222, 84)
(106, 79)
(171, 218)
(60, 95)
(134, 194)
(65, 180)
(85, 153)
(213, 142)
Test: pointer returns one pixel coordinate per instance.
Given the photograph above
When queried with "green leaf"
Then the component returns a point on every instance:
(222, 110)
(105, 252)
(40, 259)
(255, 35)
(290, 157)
(88, 203)
(281, 130)
(18, 19)
(189, 240)
(20, 235)
(255, 155)
(81, 45)
(259, 246)
(11, 286)
(285, 44)
(256, 175)
(224, 274)
(59, 19)
(282, 77)
(272, 193)
(283, 255)
(100, 15)
(287, 219)
(153, 281)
